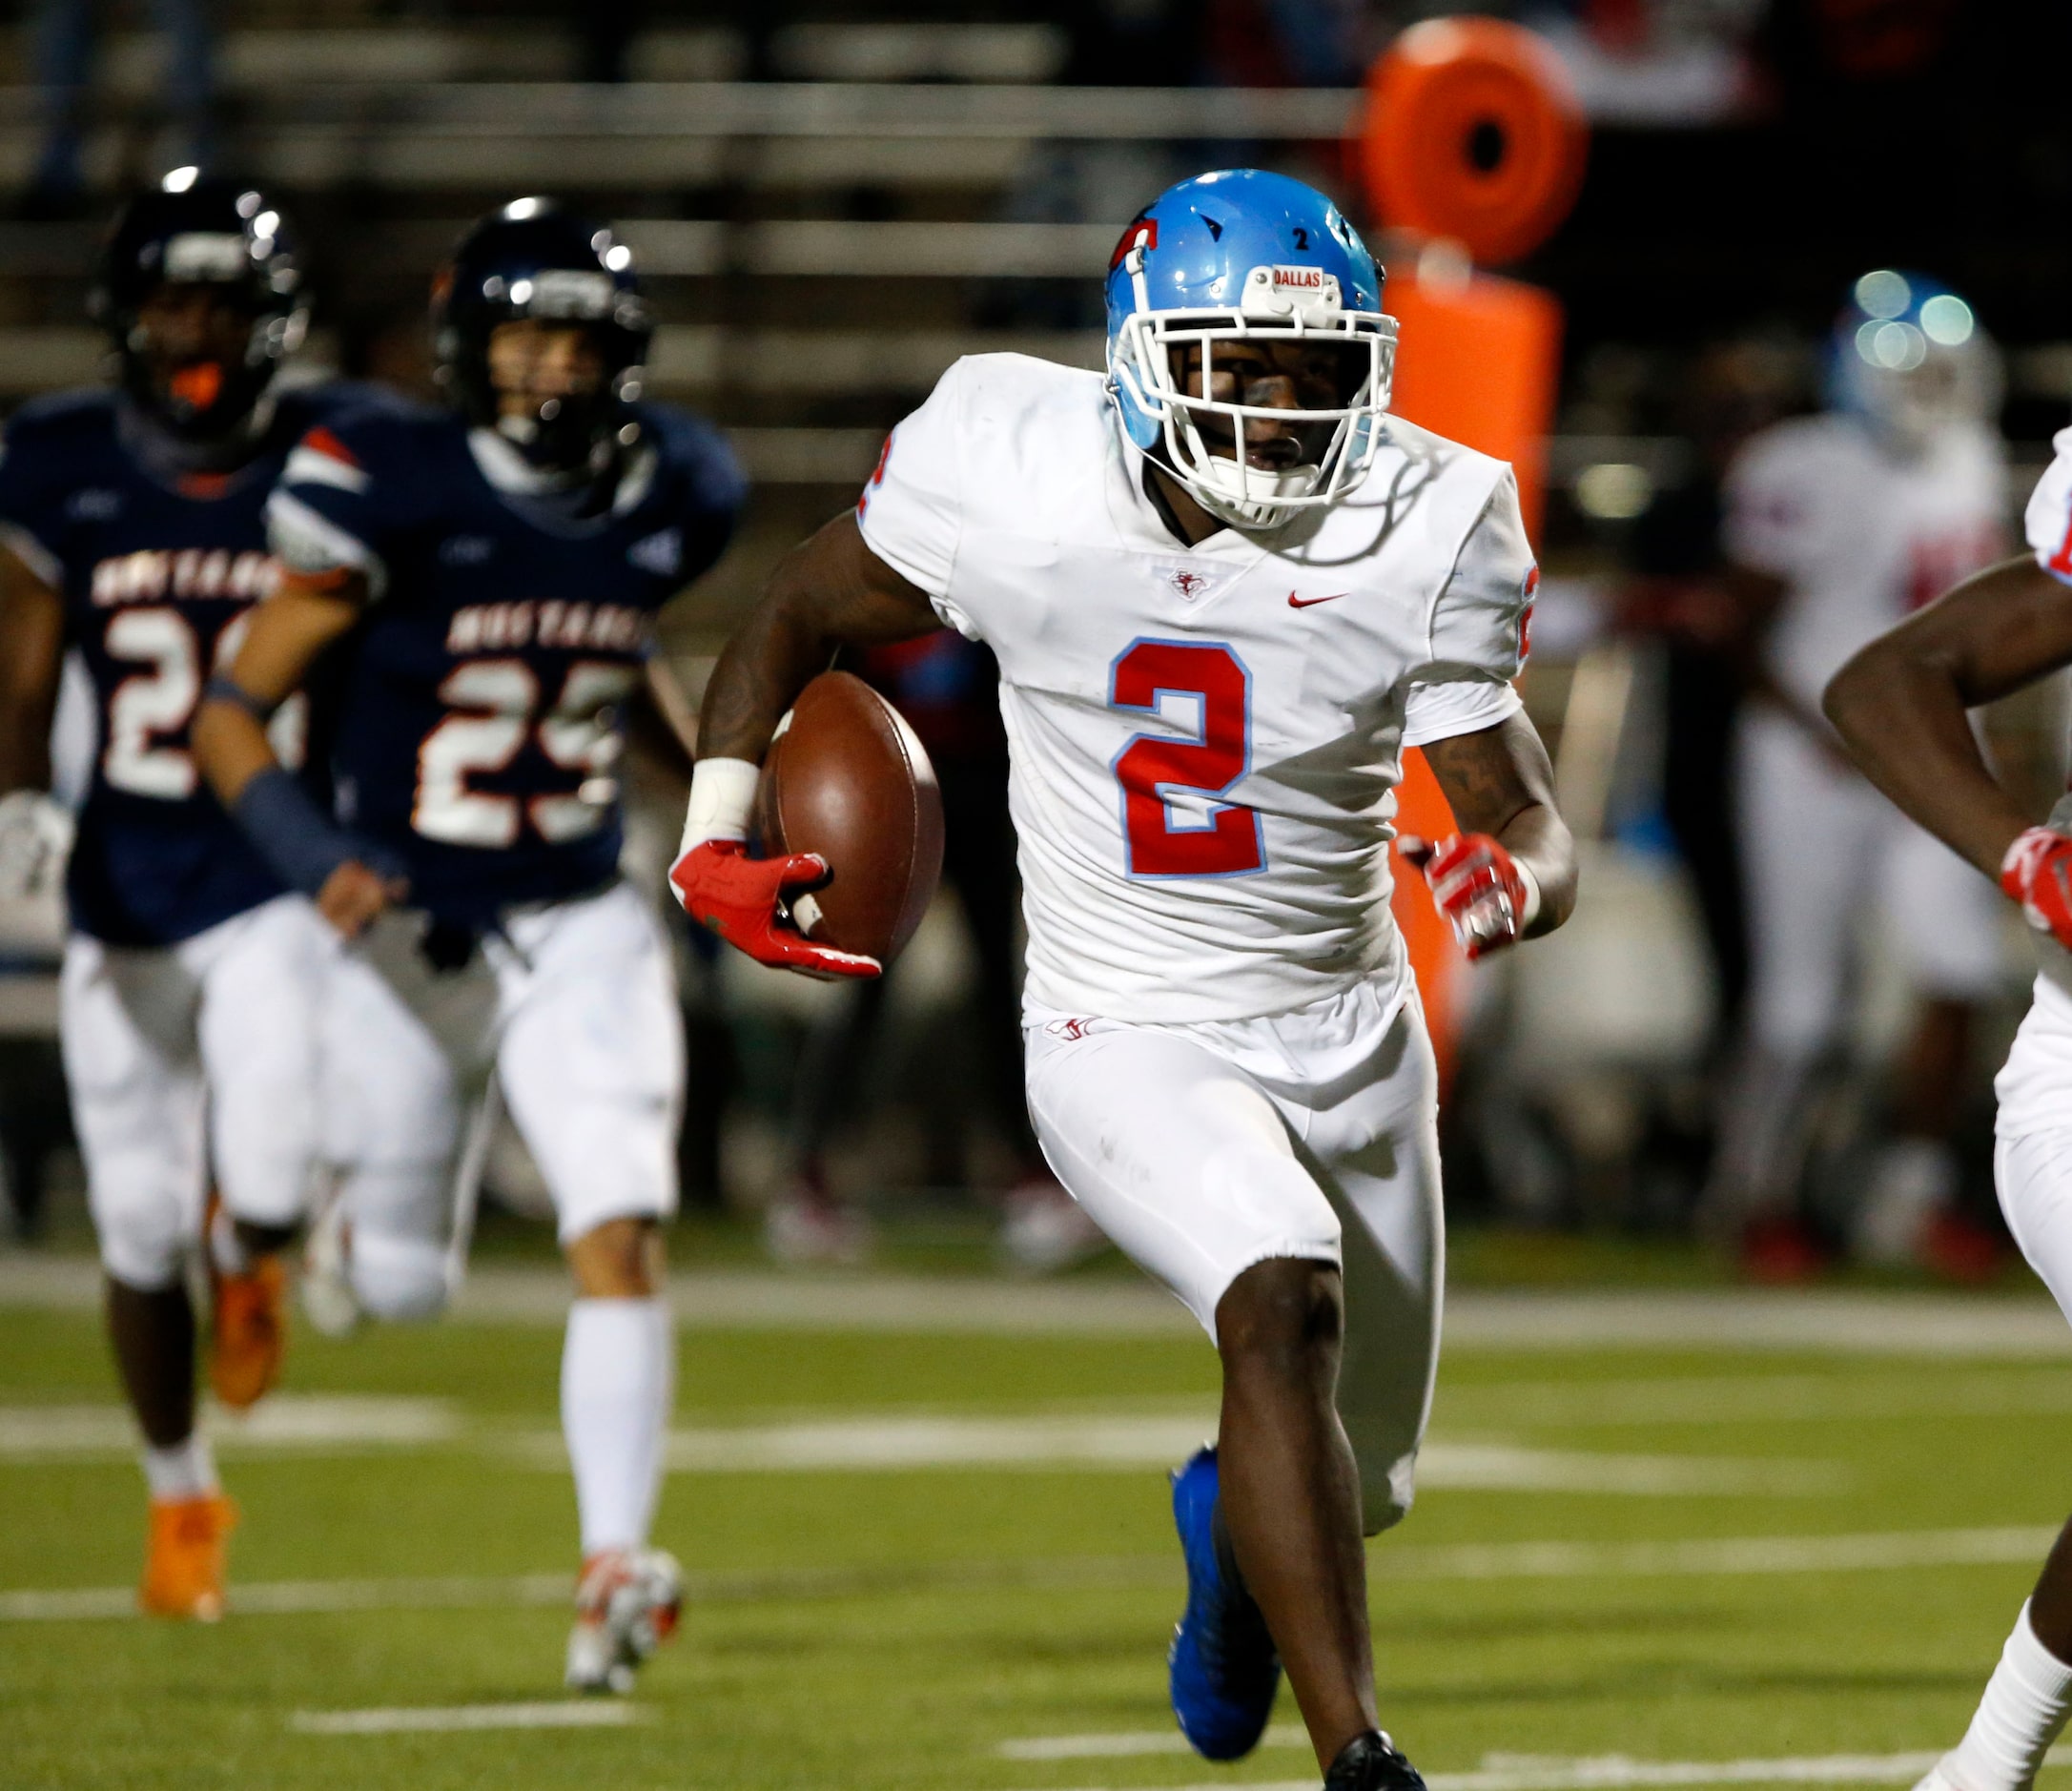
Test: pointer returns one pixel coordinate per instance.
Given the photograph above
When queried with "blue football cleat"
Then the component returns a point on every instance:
(1223, 1668)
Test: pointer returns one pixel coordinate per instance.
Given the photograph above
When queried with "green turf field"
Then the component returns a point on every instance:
(944, 1560)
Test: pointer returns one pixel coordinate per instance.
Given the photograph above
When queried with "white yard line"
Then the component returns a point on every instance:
(1616, 1772)
(454, 1718)
(1726, 1557)
(305, 1422)
(1819, 1321)
(1133, 1443)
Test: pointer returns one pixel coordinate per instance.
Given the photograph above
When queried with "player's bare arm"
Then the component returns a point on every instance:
(1499, 784)
(830, 592)
(668, 708)
(1899, 705)
(32, 648)
(288, 634)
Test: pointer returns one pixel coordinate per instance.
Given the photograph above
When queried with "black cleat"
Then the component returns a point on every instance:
(1371, 1762)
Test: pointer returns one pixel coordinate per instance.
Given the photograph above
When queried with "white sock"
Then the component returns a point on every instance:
(2018, 1718)
(618, 1378)
(186, 1471)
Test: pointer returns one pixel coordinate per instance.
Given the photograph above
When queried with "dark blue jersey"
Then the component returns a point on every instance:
(157, 568)
(482, 709)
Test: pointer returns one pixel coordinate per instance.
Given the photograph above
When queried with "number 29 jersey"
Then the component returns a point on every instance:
(482, 700)
(159, 572)
(1205, 742)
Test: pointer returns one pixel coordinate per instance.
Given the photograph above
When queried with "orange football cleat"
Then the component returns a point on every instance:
(183, 1569)
(249, 1328)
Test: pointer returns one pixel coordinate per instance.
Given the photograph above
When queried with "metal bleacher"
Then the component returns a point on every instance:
(818, 248)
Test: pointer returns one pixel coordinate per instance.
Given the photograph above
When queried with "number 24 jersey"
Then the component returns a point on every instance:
(481, 702)
(159, 572)
(1205, 742)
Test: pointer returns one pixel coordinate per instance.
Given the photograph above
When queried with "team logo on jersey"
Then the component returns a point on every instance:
(189, 573)
(661, 553)
(466, 550)
(1190, 584)
(496, 628)
(1068, 1029)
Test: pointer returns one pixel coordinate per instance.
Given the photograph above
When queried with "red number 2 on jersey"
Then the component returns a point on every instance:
(1154, 768)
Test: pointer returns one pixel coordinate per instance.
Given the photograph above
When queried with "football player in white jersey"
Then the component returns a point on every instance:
(1901, 707)
(1225, 590)
(1839, 524)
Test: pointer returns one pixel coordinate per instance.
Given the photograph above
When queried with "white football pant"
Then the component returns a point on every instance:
(1823, 853)
(1203, 1149)
(572, 1008)
(1822, 849)
(2032, 1159)
(191, 1057)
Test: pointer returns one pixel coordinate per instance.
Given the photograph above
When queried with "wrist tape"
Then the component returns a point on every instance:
(722, 799)
(297, 841)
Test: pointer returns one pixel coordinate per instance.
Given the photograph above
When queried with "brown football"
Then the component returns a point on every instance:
(846, 778)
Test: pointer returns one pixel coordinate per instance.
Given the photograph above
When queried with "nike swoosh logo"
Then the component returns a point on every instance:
(1303, 603)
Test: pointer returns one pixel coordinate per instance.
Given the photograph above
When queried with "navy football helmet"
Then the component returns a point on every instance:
(1247, 256)
(217, 235)
(1908, 358)
(531, 259)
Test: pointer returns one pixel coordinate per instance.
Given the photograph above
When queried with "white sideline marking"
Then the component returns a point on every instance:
(560, 1715)
(1614, 1772)
(285, 1421)
(1726, 1557)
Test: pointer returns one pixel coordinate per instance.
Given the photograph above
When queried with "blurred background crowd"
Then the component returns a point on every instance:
(832, 199)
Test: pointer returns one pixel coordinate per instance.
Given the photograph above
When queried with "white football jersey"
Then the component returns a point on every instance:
(1205, 741)
(1862, 538)
(2048, 520)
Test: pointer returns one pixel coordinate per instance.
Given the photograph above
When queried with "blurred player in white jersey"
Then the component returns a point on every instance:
(1839, 524)
(1901, 705)
(1225, 590)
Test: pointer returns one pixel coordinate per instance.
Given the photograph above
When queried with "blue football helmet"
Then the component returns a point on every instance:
(1909, 358)
(1246, 257)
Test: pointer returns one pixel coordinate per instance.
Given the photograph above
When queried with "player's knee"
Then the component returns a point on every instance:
(620, 1258)
(142, 1256)
(143, 1242)
(1285, 1317)
(399, 1279)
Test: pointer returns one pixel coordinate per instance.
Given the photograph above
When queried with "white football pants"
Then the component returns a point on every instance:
(1822, 849)
(1203, 1149)
(2032, 1158)
(572, 1009)
(191, 1057)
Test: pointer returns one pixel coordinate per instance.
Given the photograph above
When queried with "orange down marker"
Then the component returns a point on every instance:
(1473, 148)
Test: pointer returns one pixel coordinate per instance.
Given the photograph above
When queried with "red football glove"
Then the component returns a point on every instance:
(1477, 886)
(2036, 872)
(737, 897)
